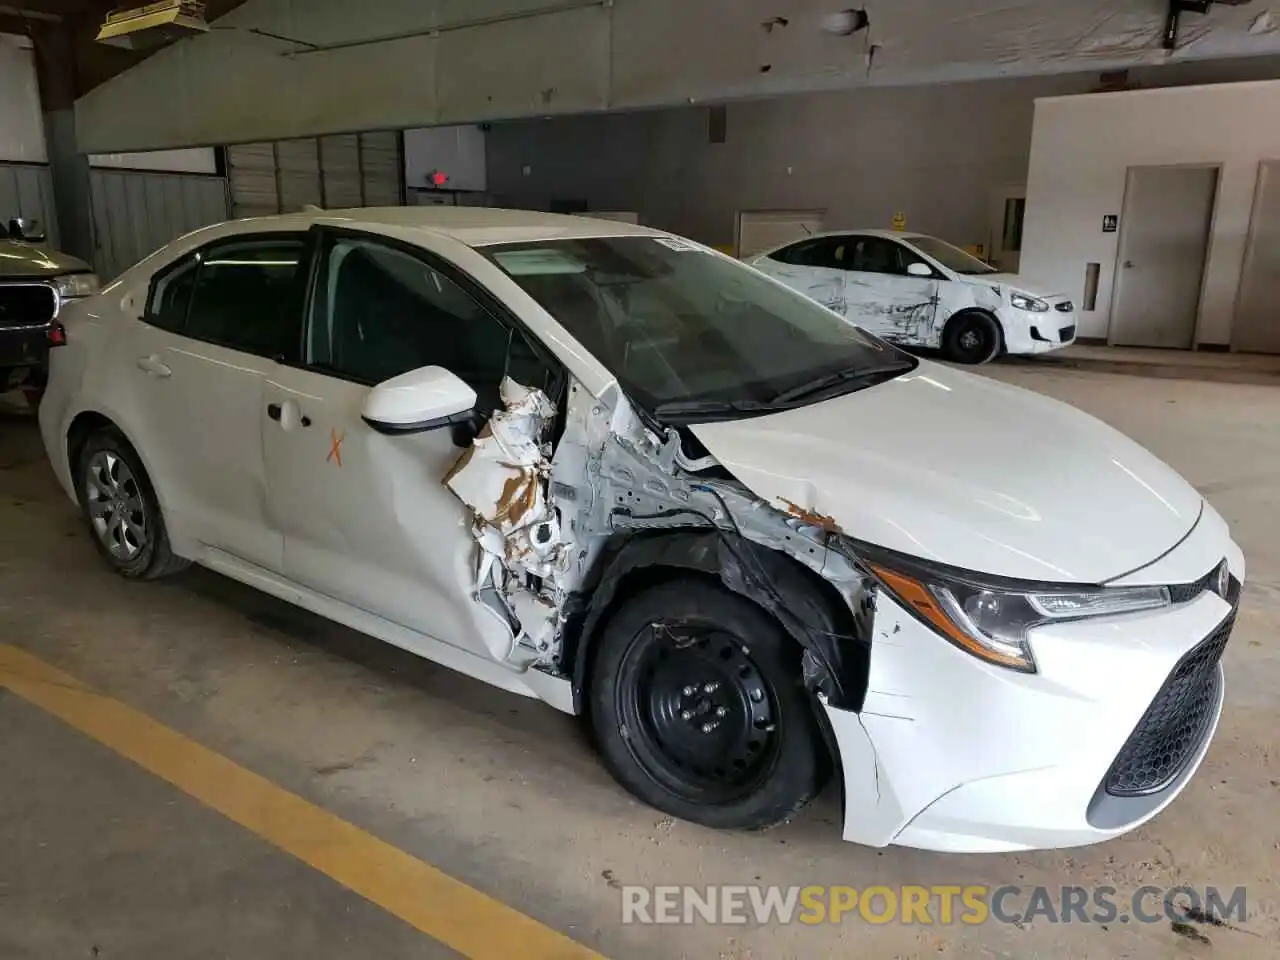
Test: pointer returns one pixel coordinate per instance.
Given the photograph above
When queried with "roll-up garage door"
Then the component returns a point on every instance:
(340, 164)
(382, 161)
(353, 170)
(299, 164)
(251, 168)
(760, 230)
(136, 212)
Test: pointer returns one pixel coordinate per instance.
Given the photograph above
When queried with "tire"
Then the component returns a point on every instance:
(687, 655)
(972, 337)
(111, 483)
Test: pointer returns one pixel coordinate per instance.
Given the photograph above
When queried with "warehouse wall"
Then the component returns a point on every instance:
(1082, 149)
(136, 212)
(935, 153)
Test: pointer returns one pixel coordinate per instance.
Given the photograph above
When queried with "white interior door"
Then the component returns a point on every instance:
(1008, 210)
(1257, 323)
(1164, 240)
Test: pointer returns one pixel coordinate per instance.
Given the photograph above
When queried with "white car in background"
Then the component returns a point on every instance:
(609, 468)
(920, 291)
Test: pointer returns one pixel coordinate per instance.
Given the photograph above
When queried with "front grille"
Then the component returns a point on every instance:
(1066, 333)
(1065, 307)
(27, 304)
(1174, 725)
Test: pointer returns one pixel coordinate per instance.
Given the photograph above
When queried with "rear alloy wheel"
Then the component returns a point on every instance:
(121, 509)
(699, 709)
(971, 338)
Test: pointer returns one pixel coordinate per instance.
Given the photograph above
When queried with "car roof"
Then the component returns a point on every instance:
(474, 226)
(854, 232)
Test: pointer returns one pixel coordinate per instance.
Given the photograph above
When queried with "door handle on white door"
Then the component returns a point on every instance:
(1128, 264)
(152, 365)
(288, 414)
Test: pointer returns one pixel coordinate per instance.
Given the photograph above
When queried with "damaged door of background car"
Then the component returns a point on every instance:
(818, 268)
(884, 296)
(365, 515)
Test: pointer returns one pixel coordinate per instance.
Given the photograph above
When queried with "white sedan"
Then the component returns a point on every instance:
(920, 291)
(606, 467)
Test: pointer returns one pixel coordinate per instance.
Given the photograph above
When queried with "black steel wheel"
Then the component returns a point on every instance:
(699, 709)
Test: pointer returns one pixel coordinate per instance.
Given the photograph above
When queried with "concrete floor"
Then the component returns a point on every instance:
(100, 859)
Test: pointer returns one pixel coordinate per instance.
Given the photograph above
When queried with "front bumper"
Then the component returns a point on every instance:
(1026, 332)
(24, 347)
(953, 754)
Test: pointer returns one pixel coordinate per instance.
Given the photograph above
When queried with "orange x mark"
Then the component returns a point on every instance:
(335, 446)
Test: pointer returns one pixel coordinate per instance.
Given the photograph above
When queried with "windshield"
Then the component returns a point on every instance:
(953, 258)
(692, 336)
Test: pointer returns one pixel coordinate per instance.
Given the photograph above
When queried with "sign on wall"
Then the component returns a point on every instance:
(1110, 223)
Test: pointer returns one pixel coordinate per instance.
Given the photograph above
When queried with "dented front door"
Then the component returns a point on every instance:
(365, 516)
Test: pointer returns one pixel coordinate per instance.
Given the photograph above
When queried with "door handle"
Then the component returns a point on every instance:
(152, 365)
(276, 411)
(1128, 264)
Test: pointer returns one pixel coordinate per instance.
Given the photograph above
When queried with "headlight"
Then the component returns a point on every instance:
(990, 617)
(72, 286)
(1024, 302)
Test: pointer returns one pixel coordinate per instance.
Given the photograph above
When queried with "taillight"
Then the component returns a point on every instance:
(57, 334)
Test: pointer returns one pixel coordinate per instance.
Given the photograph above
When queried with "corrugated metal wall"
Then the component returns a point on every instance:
(352, 170)
(136, 213)
(26, 190)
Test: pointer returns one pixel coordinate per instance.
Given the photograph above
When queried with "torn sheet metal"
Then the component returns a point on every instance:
(502, 475)
(548, 529)
(502, 478)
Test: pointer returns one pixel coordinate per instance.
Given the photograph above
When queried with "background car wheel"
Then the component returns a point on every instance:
(699, 709)
(971, 337)
(121, 509)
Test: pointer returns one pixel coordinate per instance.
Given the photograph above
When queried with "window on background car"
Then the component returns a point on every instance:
(245, 296)
(828, 253)
(878, 255)
(380, 312)
(952, 257)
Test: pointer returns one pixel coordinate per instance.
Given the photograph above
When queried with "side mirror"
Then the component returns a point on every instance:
(919, 269)
(421, 399)
(23, 229)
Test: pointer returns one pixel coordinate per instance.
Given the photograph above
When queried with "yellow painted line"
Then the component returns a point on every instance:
(459, 916)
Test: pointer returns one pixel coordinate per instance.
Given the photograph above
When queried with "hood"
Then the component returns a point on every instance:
(21, 259)
(967, 471)
(1017, 282)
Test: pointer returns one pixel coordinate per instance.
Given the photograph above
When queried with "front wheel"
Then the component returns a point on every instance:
(971, 338)
(699, 710)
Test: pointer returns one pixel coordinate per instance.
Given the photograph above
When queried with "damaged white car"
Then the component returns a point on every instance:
(920, 291)
(606, 467)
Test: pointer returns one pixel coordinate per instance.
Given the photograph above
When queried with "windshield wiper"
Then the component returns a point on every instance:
(871, 376)
(712, 408)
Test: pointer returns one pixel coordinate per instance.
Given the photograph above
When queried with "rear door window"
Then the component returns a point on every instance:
(248, 293)
(828, 253)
